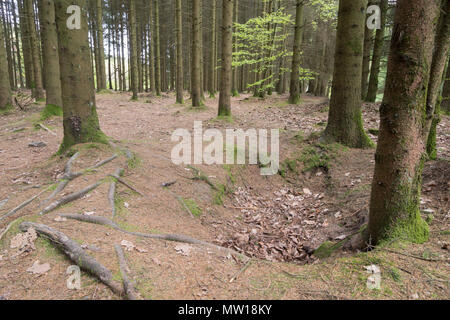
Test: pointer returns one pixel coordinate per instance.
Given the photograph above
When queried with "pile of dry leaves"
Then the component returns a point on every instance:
(281, 228)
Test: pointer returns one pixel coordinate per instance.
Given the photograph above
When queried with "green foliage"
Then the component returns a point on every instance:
(260, 45)
(193, 207)
(326, 10)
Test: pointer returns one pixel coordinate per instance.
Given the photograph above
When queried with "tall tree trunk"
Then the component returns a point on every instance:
(133, 49)
(5, 87)
(294, 97)
(26, 47)
(19, 58)
(152, 48)
(37, 88)
(179, 32)
(368, 43)
(50, 53)
(157, 51)
(80, 118)
(227, 51)
(196, 55)
(372, 91)
(400, 155)
(440, 59)
(212, 58)
(345, 120)
(101, 49)
(234, 85)
(445, 103)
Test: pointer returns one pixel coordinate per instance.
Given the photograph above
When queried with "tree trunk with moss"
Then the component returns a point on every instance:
(440, 58)
(80, 118)
(294, 97)
(5, 87)
(196, 55)
(372, 90)
(133, 49)
(345, 120)
(227, 51)
(37, 87)
(400, 155)
(50, 53)
(445, 102)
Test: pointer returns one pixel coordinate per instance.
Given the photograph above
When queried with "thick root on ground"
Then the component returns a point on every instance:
(74, 251)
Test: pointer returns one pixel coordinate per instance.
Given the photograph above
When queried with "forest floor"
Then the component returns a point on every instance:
(321, 194)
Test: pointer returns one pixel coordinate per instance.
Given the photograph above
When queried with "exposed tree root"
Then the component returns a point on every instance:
(126, 184)
(46, 129)
(74, 251)
(203, 177)
(128, 286)
(3, 202)
(24, 204)
(167, 237)
(69, 198)
(112, 192)
(69, 175)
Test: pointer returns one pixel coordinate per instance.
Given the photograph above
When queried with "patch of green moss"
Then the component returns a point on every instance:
(7, 110)
(134, 162)
(51, 110)
(395, 274)
(327, 248)
(219, 194)
(374, 132)
(193, 207)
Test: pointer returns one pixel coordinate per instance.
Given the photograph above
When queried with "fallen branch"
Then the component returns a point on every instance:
(69, 198)
(74, 251)
(180, 200)
(102, 163)
(128, 286)
(112, 192)
(167, 237)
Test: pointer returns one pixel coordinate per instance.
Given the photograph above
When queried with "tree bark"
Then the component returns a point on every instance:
(196, 55)
(157, 51)
(294, 97)
(80, 118)
(440, 58)
(372, 90)
(400, 155)
(101, 49)
(50, 54)
(5, 87)
(227, 51)
(37, 87)
(179, 32)
(345, 120)
(133, 49)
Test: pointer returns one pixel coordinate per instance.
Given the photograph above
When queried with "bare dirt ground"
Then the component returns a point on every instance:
(321, 194)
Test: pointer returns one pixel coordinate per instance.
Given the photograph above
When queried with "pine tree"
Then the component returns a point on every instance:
(345, 120)
(227, 51)
(400, 155)
(5, 87)
(80, 118)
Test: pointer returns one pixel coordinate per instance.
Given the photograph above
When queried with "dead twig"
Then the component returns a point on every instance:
(242, 270)
(46, 129)
(128, 286)
(74, 251)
